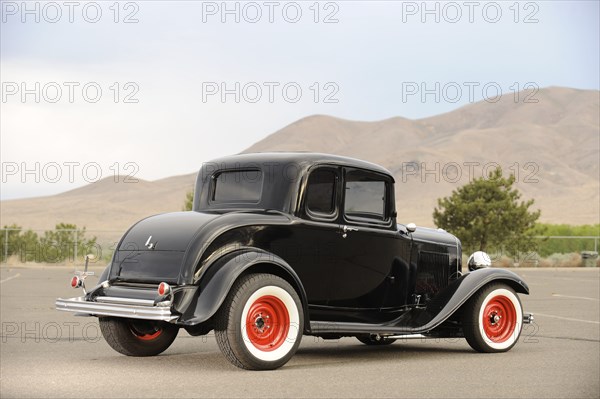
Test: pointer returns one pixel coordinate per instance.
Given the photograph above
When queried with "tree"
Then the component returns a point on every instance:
(65, 241)
(10, 236)
(486, 214)
(26, 246)
(189, 200)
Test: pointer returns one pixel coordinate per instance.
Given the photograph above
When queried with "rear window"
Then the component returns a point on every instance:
(238, 186)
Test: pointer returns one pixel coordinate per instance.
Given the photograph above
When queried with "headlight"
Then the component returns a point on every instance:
(479, 260)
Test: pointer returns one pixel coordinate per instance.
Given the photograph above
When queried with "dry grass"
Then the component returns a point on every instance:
(533, 260)
(554, 260)
(561, 260)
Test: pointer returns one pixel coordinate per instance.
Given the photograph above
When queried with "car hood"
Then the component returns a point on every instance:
(437, 236)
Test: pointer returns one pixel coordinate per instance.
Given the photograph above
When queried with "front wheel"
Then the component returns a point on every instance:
(260, 324)
(492, 319)
(137, 337)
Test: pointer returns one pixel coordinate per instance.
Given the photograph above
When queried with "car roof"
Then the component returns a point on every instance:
(305, 159)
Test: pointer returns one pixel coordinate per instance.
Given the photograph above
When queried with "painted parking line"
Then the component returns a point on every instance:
(10, 278)
(576, 297)
(536, 314)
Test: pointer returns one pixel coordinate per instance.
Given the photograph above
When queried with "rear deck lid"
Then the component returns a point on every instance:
(154, 248)
(165, 232)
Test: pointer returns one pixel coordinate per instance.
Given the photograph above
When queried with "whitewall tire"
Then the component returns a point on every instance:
(493, 318)
(260, 324)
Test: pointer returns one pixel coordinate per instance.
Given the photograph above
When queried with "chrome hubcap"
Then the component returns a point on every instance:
(495, 318)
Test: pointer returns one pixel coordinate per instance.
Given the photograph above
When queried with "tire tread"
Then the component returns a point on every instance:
(470, 319)
(226, 335)
(118, 336)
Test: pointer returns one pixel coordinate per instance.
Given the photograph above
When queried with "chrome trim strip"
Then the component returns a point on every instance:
(108, 308)
(125, 301)
(406, 336)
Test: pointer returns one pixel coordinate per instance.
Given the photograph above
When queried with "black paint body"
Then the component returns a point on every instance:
(377, 278)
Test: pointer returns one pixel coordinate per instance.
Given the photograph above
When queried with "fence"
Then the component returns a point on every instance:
(573, 243)
(69, 245)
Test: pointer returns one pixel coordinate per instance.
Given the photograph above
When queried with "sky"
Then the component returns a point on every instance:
(152, 89)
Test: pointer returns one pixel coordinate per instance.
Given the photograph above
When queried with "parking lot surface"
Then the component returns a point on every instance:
(46, 353)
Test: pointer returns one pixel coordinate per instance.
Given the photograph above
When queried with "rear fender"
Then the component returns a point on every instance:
(104, 275)
(219, 277)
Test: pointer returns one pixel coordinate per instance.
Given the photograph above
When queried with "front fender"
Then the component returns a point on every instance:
(219, 277)
(447, 302)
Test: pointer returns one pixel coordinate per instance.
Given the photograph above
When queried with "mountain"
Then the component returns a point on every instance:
(553, 144)
(106, 207)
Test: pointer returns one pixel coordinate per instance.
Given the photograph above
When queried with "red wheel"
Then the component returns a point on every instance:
(144, 336)
(137, 337)
(492, 319)
(267, 323)
(499, 319)
(260, 324)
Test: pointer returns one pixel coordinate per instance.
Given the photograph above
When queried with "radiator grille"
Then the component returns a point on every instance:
(432, 273)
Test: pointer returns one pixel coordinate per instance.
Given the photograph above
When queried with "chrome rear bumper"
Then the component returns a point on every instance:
(118, 307)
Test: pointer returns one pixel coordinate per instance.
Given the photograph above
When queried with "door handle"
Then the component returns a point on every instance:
(346, 229)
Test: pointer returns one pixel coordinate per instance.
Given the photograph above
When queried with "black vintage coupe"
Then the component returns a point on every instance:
(284, 244)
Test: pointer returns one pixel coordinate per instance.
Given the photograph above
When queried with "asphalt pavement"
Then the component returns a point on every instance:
(46, 353)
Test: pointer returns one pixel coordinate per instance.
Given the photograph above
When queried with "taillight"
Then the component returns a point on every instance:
(75, 282)
(163, 289)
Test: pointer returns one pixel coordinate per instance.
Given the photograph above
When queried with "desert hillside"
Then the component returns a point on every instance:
(554, 145)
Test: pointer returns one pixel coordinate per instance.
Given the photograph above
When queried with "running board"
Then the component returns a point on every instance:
(331, 327)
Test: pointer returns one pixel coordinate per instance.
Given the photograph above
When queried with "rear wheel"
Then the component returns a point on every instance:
(259, 326)
(375, 340)
(137, 337)
(492, 319)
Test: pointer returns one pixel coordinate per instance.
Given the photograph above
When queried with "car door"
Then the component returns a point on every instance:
(372, 254)
(317, 232)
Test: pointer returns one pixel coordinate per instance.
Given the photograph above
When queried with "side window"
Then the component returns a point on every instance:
(320, 192)
(365, 197)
